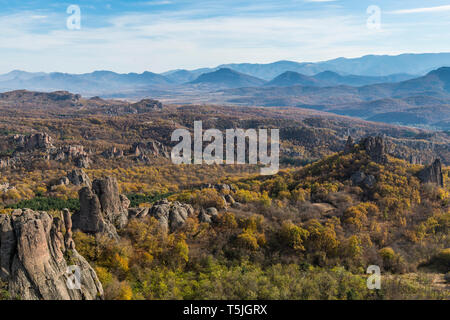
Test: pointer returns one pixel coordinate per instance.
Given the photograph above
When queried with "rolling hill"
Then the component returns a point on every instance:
(227, 78)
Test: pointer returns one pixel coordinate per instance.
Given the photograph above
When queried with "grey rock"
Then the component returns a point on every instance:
(79, 178)
(138, 213)
(102, 208)
(432, 174)
(35, 259)
(357, 178)
(171, 215)
(204, 217)
(152, 148)
(375, 147)
(36, 141)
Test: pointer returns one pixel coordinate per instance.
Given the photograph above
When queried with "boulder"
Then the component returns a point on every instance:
(209, 215)
(35, 256)
(171, 215)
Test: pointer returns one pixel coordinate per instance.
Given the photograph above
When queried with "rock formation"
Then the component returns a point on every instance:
(209, 215)
(360, 178)
(152, 148)
(171, 215)
(432, 174)
(36, 141)
(69, 152)
(112, 153)
(35, 254)
(146, 104)
(102, 208)
(78, 178)
(375, 147)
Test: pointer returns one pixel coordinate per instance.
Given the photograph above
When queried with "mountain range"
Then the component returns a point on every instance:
(394, 89)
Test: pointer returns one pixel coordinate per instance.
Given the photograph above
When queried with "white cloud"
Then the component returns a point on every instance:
(422, 10)
(159, 42)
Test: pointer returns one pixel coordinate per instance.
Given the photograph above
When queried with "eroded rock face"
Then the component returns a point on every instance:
(375, 148)
(171, 215)
(102, 208)
(152, 148)
(41, 141)
(78, 178)
(432, 174)
(35, 255)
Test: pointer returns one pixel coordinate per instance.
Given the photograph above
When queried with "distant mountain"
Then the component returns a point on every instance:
(184, 76)
(290, 78)
(330, 78)
(181, 76)
(228, 78)
(424, 101)
(382, 65)
(94, 83)
(370, 65)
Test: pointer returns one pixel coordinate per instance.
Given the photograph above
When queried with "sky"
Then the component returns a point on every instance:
(161, 35)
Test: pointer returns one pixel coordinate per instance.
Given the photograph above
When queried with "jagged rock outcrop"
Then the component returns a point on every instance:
(36, 141)
(69, 152)
(375, 147)
(171, 215)
(221, 187)
(102, 208)
(35, 254)
(78, 178)
(432, 173)
(151, 148)
(112, 153)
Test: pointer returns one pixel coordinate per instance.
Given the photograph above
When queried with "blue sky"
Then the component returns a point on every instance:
(159, 35)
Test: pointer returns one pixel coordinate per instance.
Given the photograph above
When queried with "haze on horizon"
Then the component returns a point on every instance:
(162, 35)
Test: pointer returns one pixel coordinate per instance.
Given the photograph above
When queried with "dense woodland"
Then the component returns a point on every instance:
(309, 232)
